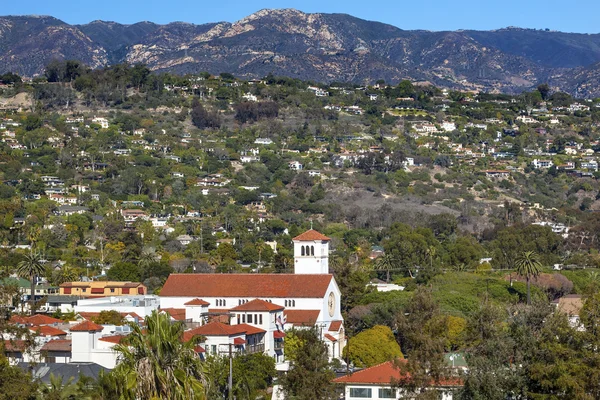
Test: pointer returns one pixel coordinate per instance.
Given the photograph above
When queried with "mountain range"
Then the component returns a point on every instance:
(319, 47)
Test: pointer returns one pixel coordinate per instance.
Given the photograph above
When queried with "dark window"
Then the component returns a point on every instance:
(260, 317)
(312, 250)
(302, 250)
(362, 393)
(249, 318)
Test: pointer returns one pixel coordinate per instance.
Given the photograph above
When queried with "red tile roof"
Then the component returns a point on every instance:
(37, 319)
(249, 329)
(246, 285)
(301, 317)
(311, 235)
(335, 326)
(383, 374)
(178, 314)
(17, 319)
(278, 334)
(116, 339)
(57, 345)
(87, 326)
(197, 302)
(330, 338)
(46, 330)
(15, 345)
(258, 305)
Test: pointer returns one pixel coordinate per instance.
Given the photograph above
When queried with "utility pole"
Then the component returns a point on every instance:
(230, 373)
(230, 380)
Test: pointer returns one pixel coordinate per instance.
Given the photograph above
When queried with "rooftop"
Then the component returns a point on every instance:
(258, 305)
(246, 285)
(311, 235)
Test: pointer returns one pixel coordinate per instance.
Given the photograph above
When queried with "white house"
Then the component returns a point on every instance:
(296, 165)
(538, 164)
(265, 141)
(103, 122)
(448, 126)
(376, 383)
(309, 297)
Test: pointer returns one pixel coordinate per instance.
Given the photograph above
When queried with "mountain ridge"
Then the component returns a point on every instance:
(317, 46)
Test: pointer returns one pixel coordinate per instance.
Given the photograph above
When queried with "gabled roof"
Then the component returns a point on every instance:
(249, 329)
(330, 338)
(197, 302)
(116, 339)
(15, 345)
(57, 345)
(335, 326)
(311, 235)
(37, 319)
(258, 305)
(383, 374)
(46, 330)
(301, 317)
(246, 285)
(87, 326)
(178, 314)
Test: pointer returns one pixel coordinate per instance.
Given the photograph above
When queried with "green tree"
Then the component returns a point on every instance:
(15, 384)
(157, 363)
(310, 373)
(30, 268)
(60, 390)
(124, 271)
(422, 334)
(528, 265)
(109, 317)
(372, 346)
(252, 375)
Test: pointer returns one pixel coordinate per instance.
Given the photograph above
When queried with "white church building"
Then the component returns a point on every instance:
(272, 303)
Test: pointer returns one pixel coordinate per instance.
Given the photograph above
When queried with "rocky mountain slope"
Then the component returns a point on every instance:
(321, 47)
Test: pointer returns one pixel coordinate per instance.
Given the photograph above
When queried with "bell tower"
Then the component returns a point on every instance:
(311, 253)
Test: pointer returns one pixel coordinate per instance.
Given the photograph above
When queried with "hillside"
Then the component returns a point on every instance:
(320, 47)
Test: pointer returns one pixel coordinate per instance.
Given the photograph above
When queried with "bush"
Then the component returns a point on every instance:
(373, 346)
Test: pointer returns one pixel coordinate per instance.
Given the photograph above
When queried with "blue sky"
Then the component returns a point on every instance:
(573, 16)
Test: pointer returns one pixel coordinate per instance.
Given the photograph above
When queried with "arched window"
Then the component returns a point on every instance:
(293, 303)
(312, 250)
(302, 250)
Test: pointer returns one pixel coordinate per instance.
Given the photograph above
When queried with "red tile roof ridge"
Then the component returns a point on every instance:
(87, 326)
(383, 374)
(258, 305)
(197, 302)
(46, 330)
(311, 234)
(113, 338)
(246, 285)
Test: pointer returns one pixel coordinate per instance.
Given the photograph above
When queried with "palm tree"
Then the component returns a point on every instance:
(59, 390)
(528, 265)
(157, 364)
(385, 263)
(29, 268)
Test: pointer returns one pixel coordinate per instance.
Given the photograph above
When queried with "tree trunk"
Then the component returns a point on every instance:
(528, 292)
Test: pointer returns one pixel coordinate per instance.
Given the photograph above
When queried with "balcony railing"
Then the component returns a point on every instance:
(255, 348)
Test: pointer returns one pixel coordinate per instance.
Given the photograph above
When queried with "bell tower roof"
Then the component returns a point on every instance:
(311, 235)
